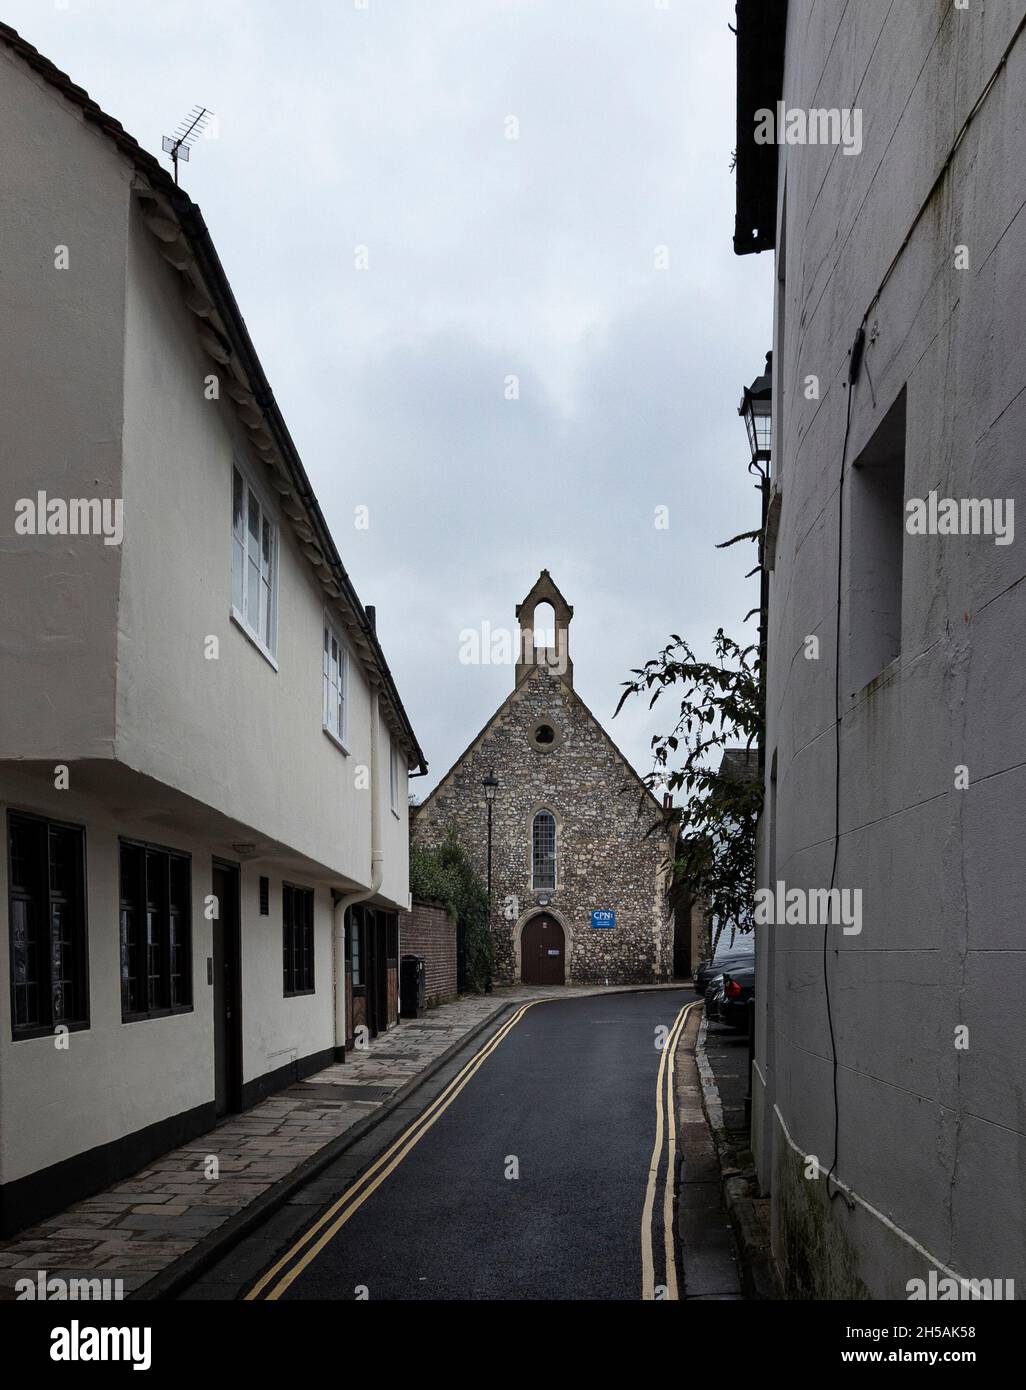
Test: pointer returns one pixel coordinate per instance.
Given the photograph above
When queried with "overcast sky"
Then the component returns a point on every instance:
(387, 127)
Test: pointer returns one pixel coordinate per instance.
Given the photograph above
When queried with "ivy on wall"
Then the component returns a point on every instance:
(444, 874)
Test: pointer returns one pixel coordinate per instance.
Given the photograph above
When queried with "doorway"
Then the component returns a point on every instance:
(543, 952)
(227, 990)
(682, 962)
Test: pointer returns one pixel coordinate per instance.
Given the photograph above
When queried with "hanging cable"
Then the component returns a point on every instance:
(854, 369)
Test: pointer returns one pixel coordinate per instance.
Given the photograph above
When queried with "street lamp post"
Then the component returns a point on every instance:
(756, 409)
(490, 784)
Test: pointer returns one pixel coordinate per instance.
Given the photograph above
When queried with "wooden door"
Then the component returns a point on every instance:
(543, 952)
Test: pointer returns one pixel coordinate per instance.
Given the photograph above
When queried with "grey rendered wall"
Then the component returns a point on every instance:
(931, 1137)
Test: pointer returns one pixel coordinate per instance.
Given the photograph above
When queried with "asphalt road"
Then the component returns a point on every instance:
(531, 1184)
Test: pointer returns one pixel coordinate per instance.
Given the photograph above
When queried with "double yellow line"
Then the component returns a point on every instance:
(666, 1124)
(276, 1280)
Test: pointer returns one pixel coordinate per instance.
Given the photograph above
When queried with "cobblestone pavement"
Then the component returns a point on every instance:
(138, 1227)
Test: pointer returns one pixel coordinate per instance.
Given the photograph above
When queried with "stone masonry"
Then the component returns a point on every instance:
(549, 753)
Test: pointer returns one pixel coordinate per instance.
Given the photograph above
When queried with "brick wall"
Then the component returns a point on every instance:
(430, 932)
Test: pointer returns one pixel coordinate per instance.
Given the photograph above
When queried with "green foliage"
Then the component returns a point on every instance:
(445, 874)
(721, 707)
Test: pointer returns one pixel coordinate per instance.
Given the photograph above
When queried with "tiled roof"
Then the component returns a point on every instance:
(740, 764)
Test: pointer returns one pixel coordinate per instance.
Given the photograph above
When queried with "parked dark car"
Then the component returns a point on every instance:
(738, 986)
(740, 953)
(713, 999)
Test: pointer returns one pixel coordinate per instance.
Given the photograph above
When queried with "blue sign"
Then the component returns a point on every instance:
(603, 917)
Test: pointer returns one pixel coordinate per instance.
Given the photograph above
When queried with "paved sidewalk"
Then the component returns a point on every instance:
(722, 1058)
(708, 1257)
(137, 1228)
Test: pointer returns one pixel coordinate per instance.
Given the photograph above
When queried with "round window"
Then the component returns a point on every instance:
(545, 736)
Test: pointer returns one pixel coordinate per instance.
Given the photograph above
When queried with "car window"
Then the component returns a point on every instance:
(734, 952)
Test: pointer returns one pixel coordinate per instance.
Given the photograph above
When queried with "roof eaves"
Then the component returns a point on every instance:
(761, 35)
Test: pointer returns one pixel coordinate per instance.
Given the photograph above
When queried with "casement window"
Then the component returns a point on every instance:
(254, 565)
(393, 778)
(543, 850)
(46, 877)
(297, 912)
(156, 932)
(336, 685)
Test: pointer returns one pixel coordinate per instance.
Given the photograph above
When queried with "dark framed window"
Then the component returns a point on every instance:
(543, 850)
(49, 943)
(156, 932)
(297, 911)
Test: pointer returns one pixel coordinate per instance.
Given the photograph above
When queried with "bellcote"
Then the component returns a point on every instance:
(544, 643)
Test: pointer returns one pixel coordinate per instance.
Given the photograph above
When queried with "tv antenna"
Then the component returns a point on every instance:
(177, 145)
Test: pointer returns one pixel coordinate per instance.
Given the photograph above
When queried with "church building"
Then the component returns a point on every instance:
(579, 875)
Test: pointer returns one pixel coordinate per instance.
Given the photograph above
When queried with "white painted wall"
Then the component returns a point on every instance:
(395, 828)
(61, 354)
(102, 380)
(235, 733)
(931, 1137)
(102, 652)
(115, 1077)
(276, 1030)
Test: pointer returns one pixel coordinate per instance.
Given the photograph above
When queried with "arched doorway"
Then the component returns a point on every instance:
(543, 951)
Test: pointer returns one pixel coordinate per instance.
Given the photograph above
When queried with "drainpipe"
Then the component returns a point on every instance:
(361, 895)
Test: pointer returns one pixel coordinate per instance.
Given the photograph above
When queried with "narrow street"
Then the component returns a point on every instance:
(538, 1172)
(513, 753)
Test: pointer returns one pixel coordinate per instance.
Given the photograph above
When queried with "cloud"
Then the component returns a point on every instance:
(387, 127)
